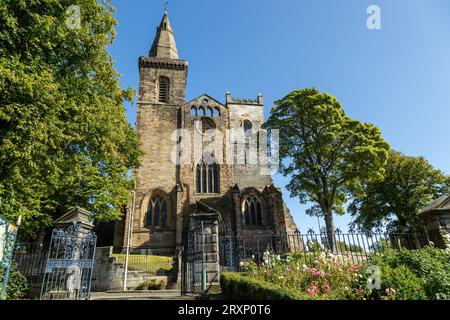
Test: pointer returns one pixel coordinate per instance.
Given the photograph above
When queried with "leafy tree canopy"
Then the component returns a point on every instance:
(64, 137)
(327, 154)
(409, 185)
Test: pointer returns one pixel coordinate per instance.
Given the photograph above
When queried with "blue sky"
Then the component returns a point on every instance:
(397, 78)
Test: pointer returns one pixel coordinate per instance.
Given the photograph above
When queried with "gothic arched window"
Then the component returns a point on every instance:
(251, 208)
(163, 89)
(209, 112)
(156, 212)
(248, 128)
(207, 178)
(193, 111)
(216, 112)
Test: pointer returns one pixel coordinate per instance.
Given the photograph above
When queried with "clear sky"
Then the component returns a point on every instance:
(397, 78)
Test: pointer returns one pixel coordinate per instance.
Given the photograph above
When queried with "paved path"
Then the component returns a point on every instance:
(141, 295)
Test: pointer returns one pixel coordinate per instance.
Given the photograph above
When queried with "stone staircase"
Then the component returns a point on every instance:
(167, 294)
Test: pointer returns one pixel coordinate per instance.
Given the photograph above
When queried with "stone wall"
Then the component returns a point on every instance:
(109, 275)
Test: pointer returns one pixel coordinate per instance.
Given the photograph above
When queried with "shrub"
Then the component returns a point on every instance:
(17, 284)
(152, 285)
(430, 265)
(398, 283)
(243, 286)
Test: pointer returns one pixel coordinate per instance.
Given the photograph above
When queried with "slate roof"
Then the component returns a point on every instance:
(440, 204)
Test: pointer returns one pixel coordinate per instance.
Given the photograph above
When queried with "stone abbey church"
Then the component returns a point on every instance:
(168, 193)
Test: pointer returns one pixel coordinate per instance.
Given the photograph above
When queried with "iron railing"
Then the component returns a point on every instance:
(30, 258)
(349, 247)
(154, 264)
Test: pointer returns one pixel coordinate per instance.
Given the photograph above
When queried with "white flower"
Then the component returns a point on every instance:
(241, 263)
(278, 257)
(305, 267)
(266, 261)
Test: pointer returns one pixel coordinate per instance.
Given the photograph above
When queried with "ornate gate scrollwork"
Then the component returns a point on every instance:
(70, 261)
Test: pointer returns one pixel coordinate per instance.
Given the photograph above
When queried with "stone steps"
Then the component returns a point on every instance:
(139, 295)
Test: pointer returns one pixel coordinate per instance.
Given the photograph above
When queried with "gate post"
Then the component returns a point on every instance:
(210, 249)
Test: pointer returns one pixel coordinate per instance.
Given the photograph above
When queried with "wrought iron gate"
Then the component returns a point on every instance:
(69, 264)
(193, 274)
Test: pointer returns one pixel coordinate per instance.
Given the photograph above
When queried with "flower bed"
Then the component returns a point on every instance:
(391, 274)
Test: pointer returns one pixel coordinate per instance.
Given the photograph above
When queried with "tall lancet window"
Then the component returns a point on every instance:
(248, 133)
(248, 129)
(156, 212)
(163, 90)
(251, 208)
(207, 178)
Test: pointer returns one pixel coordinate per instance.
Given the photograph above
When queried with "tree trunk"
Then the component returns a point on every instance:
(40, 239)
(330, 231)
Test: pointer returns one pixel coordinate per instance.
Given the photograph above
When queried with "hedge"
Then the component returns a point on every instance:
(242, 286)
(17, 284)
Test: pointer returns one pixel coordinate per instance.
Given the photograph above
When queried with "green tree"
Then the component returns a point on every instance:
(64, 137)
(326, 154)
(409, 185)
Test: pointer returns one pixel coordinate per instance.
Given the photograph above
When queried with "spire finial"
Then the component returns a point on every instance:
(165, 7)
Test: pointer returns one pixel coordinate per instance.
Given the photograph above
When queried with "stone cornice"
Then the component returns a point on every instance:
(151, 62)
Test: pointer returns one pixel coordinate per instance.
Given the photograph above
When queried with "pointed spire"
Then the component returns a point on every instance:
(164, 44)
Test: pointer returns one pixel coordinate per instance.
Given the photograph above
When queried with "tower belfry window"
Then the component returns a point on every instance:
(163, 90)
(248, 129)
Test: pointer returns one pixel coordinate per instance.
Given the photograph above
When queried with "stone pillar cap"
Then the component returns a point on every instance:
(76, 215)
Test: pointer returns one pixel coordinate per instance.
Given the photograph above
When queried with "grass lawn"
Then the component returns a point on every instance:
(150, 263)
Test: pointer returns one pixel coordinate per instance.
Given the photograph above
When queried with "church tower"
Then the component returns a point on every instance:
(221, 182)
(162, 87)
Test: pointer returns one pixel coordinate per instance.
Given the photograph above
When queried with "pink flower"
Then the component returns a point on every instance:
(327, 287)
(310, 292)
